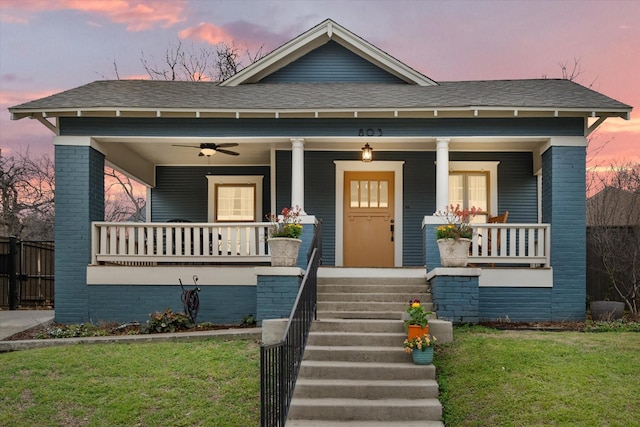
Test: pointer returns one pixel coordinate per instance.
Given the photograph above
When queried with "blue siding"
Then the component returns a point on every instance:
(517, 186)
(331, 63)
(79, 201)
(564, 206)
(181, 191)
(128, 303)
(289, 128)
(518, 304)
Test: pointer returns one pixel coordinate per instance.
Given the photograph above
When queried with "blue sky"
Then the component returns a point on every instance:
(47, 46)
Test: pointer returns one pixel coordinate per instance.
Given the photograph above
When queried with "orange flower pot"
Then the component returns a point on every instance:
(415, 331)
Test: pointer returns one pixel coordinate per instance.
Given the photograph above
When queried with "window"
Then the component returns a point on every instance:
(234, 198)
(474, 184)
(469, 189)
(369, 194)
(235, 202)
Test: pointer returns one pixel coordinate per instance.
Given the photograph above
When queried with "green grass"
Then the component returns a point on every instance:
(204, 383)
(525, 378)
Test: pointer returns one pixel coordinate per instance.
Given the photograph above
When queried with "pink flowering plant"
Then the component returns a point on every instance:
(419, 343)
(458, 222)
(287, 224)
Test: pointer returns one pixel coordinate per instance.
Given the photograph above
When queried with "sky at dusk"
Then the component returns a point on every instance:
(47, 46)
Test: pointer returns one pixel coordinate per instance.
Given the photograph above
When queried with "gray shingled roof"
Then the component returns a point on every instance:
(155, 94)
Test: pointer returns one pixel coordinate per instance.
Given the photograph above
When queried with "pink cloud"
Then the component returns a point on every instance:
(137, 15)
(208, 33)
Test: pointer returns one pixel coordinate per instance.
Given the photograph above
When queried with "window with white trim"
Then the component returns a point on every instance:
(234, 198)
(474, 184)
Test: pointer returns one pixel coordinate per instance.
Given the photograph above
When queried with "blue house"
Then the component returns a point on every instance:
(365, 145)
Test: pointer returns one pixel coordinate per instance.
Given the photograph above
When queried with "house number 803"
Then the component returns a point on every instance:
(370, 132)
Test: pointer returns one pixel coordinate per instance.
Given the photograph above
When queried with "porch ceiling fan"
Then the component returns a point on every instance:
(209, 149)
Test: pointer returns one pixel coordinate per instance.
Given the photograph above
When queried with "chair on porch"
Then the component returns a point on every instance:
(498, 219)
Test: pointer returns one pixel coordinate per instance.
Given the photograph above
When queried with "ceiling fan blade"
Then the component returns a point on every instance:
(231, 153)
(227, 144)
(188, 146)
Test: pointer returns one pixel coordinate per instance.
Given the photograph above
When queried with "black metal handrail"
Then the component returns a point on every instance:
(280, 362)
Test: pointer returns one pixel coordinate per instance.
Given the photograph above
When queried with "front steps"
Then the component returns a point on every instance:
(355, 371)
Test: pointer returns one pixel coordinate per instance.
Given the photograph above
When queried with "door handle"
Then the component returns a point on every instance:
(392, 229)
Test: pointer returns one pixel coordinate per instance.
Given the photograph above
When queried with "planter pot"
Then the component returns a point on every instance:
(606, 310)
(454, 252)
(422, 357)
(414, 331)
(284, 251)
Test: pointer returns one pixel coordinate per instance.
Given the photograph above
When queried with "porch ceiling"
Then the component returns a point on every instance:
(160, 151)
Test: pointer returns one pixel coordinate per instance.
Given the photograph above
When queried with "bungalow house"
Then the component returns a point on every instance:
(300, 120)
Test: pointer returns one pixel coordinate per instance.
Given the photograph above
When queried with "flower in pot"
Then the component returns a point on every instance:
(417, 319)
(287, 224)
(458, 222)
(454, 237)
(284, 233)
(421, 348)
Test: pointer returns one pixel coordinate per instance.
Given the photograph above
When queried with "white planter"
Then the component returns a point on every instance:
(284, 251)
(454, 252)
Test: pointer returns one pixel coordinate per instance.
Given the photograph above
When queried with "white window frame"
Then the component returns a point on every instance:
(213, 180)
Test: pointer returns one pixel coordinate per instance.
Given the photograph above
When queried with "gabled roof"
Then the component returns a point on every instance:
(317, 36)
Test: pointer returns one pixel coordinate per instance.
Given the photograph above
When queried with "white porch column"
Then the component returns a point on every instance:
(442, 173)
(297, 173)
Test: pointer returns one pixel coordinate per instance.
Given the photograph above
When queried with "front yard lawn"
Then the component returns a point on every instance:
(528, 378)
(202, 383)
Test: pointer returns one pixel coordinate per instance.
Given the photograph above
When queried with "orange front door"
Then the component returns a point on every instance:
(368, 219)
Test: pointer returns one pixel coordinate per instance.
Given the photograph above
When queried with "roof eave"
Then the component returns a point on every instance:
(464, 111)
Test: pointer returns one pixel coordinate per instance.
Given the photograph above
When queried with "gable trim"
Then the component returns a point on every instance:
(316, 37)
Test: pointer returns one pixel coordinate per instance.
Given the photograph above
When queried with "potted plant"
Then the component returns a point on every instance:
(421, 348)
(454, 237)
(284, 233)
(417, 322)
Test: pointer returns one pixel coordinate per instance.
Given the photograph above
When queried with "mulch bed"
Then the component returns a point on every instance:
(536, 326)
(114, 329)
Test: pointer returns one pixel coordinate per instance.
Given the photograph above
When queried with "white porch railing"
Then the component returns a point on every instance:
(153, 242)
(511, 244)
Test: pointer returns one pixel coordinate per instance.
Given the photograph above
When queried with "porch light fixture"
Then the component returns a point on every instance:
(207, 152)
(367, 155)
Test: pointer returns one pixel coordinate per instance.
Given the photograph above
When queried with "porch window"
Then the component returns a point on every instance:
(235, 202)
(474, 184)
(234, 198)
(469, 189)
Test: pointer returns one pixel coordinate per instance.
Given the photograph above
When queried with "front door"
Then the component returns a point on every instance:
(368, 219)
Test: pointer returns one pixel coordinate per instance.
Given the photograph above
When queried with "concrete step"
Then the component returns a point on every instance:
(378, 353)
(355, 339)
(335, 423)
(365, 409)
(403, 298)
(366, 389)
(398, 307)
(358, 325)
(395, 280)
(365, 370)
(382, 315)
(366, 288)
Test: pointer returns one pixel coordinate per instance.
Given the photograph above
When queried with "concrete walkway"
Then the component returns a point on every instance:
(14, 321)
